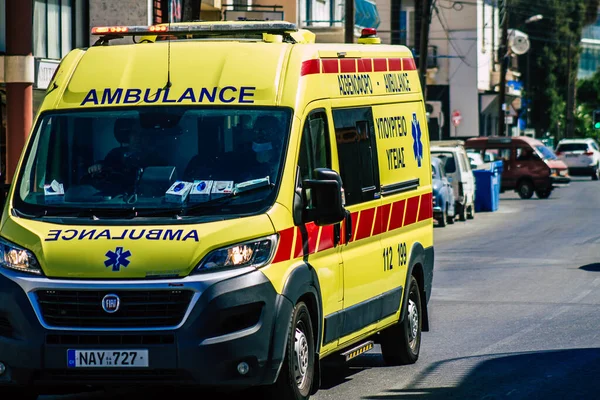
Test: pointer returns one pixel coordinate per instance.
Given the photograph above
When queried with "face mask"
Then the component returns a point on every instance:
(261, 147)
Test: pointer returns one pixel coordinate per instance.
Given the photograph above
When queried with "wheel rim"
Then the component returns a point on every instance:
(301, 355)
(413, 324)
(525, 190)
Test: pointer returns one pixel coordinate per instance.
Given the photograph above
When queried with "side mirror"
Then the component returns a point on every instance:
(326, 206)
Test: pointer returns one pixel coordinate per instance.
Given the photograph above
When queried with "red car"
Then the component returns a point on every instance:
(529, 166)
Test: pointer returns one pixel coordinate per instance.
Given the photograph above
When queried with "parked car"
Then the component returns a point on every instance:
(475, 159)
(458, 170)
(582, 156)
(443, 195)
(528, 165)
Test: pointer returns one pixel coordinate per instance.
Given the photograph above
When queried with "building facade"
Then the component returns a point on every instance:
(589, 61)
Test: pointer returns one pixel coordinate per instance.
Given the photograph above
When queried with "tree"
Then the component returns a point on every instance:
(551, 38)
(588, 100)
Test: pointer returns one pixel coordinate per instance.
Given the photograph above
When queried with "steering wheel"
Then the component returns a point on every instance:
(107, 176)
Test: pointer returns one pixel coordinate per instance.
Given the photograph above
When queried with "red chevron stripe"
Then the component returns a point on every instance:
(365, 224)
(397, 214)
(284, 250)
(326, 241)
(412, 206)
(426, 207)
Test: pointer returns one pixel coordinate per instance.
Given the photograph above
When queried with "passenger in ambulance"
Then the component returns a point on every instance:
(266, 148)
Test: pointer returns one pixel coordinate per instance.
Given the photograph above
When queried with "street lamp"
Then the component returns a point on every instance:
(534, 18)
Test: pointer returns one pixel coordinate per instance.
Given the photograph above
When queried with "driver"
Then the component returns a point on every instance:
(125, 162)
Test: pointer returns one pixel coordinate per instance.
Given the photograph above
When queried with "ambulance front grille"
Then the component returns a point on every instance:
(137, 308)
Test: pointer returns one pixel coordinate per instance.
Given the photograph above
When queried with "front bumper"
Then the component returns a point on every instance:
(229, 320)
(560, 181)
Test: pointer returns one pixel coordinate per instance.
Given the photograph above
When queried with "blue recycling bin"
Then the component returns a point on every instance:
(487, 187)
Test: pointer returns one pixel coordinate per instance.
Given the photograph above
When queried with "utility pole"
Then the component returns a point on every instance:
(570, 125)
(396, 14)
(424, 45)
(19, 77)
(503, 57)
(349, 21)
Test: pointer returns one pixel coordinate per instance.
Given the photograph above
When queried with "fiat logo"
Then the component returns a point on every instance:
(111, 303)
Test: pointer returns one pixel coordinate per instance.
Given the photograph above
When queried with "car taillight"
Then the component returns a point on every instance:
(558, 153)
(588, 153)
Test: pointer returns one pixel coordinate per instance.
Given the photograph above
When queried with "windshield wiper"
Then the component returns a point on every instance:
(93, 213)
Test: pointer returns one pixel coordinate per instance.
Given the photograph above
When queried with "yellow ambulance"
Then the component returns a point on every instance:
(217, 203)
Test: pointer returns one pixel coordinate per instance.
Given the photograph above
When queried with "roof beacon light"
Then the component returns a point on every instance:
(159, 28)
(369, 36)
(369, 32)
(109, 29)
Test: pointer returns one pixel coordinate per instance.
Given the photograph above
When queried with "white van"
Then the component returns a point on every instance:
(458, 170)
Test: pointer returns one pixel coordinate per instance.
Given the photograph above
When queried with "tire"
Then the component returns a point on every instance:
(443, 219)
(297, 372)
(21, 393)
(401, 343)
(525, 189)
(449, 219)
(543, 194)
(462, 212)
(596, 173)
(471, 212)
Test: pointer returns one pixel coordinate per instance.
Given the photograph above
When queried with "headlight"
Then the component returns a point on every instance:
(256, 253)
(17, 258)
(553, 171)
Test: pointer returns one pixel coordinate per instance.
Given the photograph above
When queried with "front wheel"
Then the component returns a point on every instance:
(525, 189)
(401, 343)
(297, 373)
(443, 218)
(21, 393)
(471, 212)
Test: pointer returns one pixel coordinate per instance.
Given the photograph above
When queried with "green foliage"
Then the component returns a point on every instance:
(588, 100)
(550, 38)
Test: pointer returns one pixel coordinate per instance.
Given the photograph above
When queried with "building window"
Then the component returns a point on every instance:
(53, 28)
(165, 11)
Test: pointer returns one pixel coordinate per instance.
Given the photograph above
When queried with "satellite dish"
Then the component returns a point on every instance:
(518, 42)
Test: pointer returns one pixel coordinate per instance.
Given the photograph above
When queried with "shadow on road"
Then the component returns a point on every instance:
(561, 374)
(591, 267)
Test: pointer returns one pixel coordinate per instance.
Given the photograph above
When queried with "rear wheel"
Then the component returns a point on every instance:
(596, 173)
(401, 343)
(462, 212)
(297, 373)
(525, 189)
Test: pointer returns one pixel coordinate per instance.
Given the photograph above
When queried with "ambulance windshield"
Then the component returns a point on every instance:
(154, 159)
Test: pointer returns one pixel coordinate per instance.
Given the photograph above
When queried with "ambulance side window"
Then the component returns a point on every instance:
(314, 148)
(357, 153)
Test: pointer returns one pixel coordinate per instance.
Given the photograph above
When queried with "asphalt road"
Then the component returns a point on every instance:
(514, 311)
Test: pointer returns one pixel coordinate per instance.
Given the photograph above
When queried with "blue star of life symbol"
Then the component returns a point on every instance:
(117, 258)
(417, 144)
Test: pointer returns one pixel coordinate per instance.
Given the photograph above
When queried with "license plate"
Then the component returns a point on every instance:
(107, 358)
